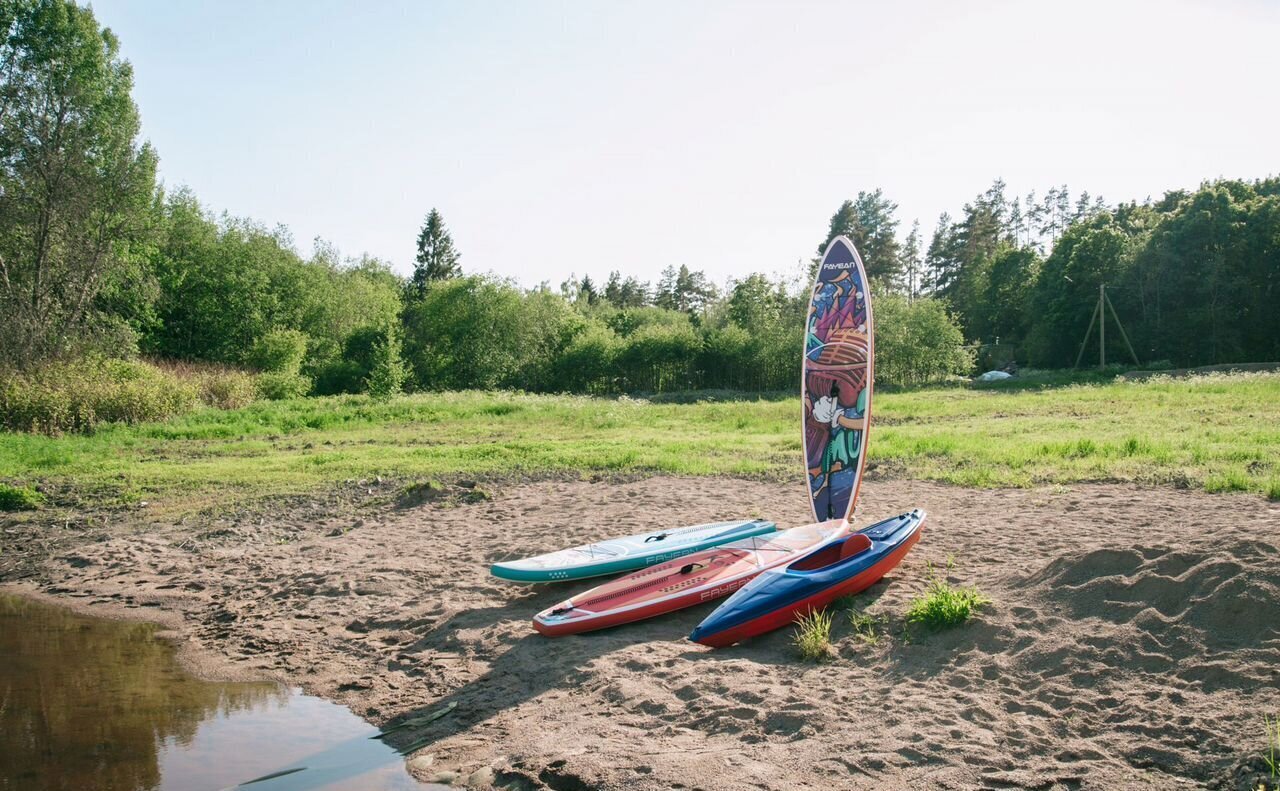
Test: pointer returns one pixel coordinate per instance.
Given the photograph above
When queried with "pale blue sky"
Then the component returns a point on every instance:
(562, 137)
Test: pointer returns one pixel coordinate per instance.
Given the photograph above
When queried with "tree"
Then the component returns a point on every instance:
(911, 261)
(684, 290)
(1012, 275)
(626, 292)
(587, 290)
(437, 259)
(869, 223)
(75, 184)
(940, 259)
(387, 375)
(917, 342)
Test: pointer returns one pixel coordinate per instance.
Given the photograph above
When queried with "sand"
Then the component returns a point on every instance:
(1134, 639)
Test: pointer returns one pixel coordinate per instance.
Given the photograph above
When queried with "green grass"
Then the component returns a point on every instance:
(19, 498)
(866, 626)
(1220, 433)
(1271, 752)
(944, 605)
(813, 636)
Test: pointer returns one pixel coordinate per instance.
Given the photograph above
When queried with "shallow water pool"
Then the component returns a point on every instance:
(89, 703)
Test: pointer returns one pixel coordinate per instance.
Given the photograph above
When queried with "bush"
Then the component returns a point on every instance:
(19, 498)
(279, 351)
(227, 388)
(917, 342)
(278, 386)
(587, 364)
(78, 396)
(387, 375)
(340, 376)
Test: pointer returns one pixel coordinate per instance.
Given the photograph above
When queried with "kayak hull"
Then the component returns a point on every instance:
(844, 567)
(628, 553)
(696, 578)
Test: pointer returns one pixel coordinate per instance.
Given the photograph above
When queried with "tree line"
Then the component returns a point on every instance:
(97, 258)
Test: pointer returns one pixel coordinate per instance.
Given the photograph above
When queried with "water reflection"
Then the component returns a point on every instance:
(87, 703)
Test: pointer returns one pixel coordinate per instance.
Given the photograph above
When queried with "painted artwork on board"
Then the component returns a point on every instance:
(837, 381)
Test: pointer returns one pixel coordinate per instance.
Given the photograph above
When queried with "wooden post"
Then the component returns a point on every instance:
(1102, 327)
(1123, 334)
(1087, 333)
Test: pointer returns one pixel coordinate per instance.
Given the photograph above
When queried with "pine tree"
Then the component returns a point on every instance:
(626, 293)
(587, 291)
(940, 261)
(1035, 221)
(1016, 228)
(869, 223)
(684, 290)
(911, 261)
(437, 259)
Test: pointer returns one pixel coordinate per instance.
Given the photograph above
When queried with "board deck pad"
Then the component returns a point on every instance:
(628, 553)
(837, 382)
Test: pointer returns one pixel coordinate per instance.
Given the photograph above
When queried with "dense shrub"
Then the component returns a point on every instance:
(587, 365)
(218, 386)
(77, 397)
(280, 385)
(279, 351)
(339, 376)
(387, 372)
(917, 342)
(227, 388)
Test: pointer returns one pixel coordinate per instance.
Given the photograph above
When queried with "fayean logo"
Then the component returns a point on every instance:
(722, 590)
(679, 553)
(845, 265)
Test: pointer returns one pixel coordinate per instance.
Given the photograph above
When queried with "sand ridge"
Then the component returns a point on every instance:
(1133, 642)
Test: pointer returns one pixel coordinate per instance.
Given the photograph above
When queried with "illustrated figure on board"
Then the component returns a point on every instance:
(839, 422)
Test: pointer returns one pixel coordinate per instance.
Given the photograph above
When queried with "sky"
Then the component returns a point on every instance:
(584, 137)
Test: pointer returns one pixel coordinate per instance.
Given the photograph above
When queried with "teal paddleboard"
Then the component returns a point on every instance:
(629, 553)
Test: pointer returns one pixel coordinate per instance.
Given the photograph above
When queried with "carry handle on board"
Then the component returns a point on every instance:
(657, 537)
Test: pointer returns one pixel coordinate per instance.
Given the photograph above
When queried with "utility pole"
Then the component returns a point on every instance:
(1100, 312)
(1102, 328)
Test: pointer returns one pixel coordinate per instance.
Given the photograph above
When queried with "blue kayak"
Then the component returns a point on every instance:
(628, 553)
(841, 567)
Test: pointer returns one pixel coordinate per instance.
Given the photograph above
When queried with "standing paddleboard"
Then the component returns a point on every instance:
(628, 553)
(836, 387)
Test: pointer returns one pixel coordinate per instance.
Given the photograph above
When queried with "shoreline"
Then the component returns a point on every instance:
(1118, 604)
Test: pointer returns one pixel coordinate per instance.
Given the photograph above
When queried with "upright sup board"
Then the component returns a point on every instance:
(628, 553)
(836, 387)
(693, 579)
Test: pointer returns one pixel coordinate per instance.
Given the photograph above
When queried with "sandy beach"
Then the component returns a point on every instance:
(1133, 641)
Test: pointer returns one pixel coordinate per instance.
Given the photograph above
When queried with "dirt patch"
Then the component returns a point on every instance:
(1133, 641)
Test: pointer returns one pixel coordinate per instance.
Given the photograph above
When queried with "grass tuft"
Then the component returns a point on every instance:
(944, 605)
(19, 498)
(813, 636)
(1271, 753)
(866, 626)
(1230, 481)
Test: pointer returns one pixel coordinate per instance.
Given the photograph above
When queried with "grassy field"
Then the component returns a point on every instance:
(1220, 433)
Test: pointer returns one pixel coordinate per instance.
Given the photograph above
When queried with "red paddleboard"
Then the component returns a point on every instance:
(684, 582)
